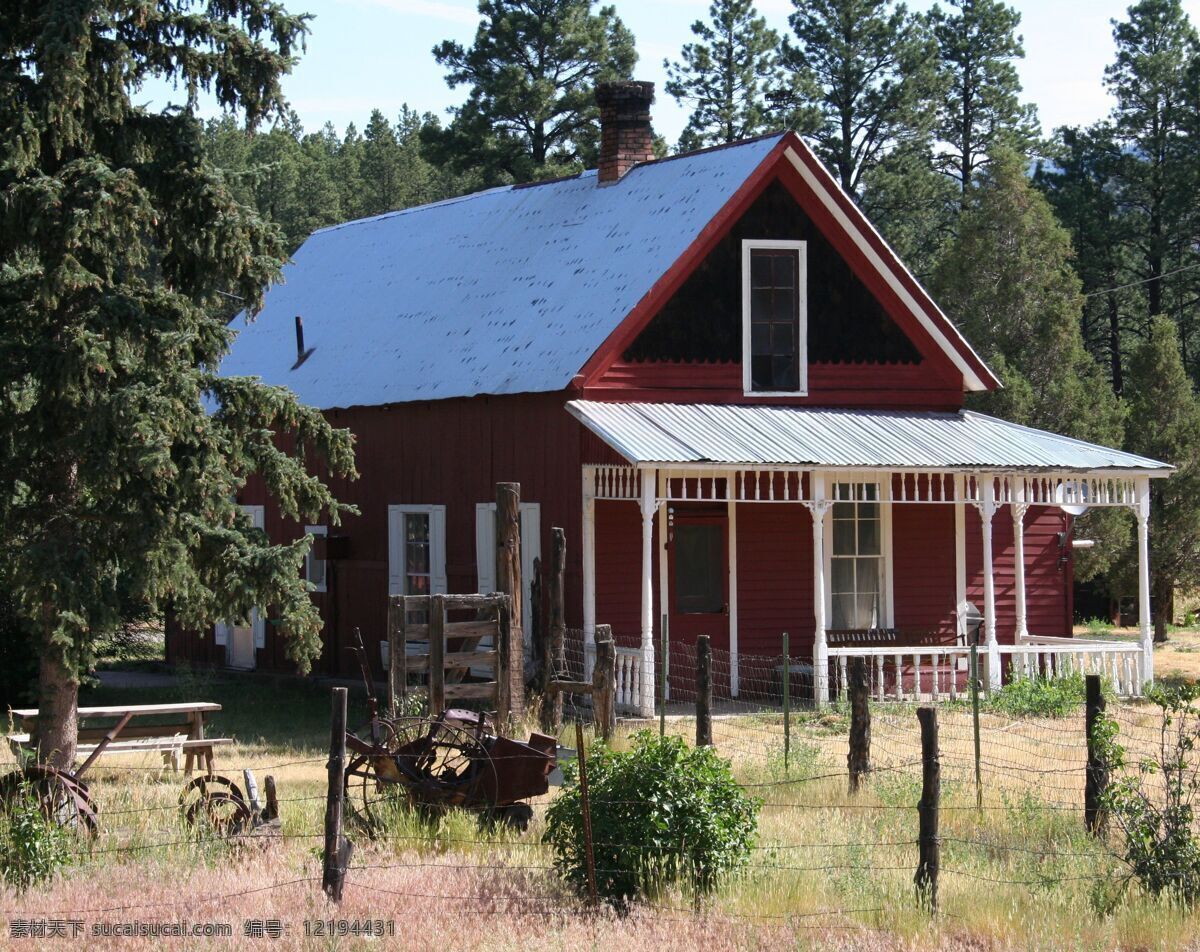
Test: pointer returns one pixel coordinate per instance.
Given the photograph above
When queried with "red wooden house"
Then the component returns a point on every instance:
(717, 376)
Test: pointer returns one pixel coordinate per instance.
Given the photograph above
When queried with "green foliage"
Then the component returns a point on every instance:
(662, 813)
(32, 848)
(865, 72)
(121, 449)
(1152, 800)
(1040, 697)
(978, 44)
(531, 76)
(728, 77)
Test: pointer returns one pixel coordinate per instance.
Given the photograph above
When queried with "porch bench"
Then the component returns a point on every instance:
(171, 747)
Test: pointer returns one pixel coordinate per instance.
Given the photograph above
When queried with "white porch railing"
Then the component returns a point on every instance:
(629, 680)
(936, 672)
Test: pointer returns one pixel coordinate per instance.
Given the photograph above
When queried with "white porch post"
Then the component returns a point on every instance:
(588, 549)
(649, 504)
(664, 565)
(960, 558)
(987, 510)
(818, 507)
(1019, 508)
(1147, 636)
(733, 589)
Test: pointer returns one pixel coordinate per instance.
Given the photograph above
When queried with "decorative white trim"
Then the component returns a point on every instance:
(649, 504)
(960, 561)
(969, 376)
(310, 560)
(1143, 530)
(801, 249)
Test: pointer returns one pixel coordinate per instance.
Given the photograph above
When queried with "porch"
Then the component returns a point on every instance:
(865, 502)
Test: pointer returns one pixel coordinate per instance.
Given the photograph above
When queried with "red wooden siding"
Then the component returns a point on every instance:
(619, 569)
(775, 577)
(923, 568)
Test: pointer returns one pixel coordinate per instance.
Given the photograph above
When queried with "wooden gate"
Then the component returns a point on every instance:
(448, 650)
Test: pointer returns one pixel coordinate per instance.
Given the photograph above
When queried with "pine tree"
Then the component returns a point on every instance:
(379, 167)
(1008, 281)
(727, 76)
(977, 45)
(872, 69)
(121, 448)
(531, 75)
(1163, 404)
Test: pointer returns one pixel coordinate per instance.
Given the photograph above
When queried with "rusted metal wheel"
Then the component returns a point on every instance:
(431, 765)
(61, 796)
(215, 803)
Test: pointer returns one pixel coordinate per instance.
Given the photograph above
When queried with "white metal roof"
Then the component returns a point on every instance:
(856, 439)
(506, 291)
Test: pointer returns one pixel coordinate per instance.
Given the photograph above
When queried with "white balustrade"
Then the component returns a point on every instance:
(629, 683)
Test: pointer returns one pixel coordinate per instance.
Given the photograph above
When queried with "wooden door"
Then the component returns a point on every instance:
(699, 588)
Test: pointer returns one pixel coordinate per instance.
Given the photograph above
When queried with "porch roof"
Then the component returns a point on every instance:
(684, 434)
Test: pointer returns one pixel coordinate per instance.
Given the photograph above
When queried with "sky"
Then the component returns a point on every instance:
(365, 54)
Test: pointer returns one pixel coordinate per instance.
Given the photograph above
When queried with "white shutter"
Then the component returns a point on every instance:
(485, 547)
(220, 634)
(437, 550)
(395, 550)
(531, 549)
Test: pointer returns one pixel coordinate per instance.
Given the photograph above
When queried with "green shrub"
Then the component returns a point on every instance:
(32, 848)
(1152, 800)
(662, 814)
(1040, 697)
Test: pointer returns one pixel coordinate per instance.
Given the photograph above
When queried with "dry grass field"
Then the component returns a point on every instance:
(829, 870)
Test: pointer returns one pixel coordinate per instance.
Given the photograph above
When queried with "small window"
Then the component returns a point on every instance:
(699, 569)
(856, 559)
(314, 568)
(774, 317)
(416, 550)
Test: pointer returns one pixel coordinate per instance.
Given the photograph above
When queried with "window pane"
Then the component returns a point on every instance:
(760, 338)
(868, 510)
(843, 537)
(699, 568)
(760, 269)
(416, 526)
(418, 557)
(760, 304)
(783, 306)
(417, 585)
(842, 611)
(782, 338)
(316, 571)
(783, 373)
(760, 372)
(867, 575)
(868, 537)
(784, 273)
(867, 611)
(870, 491)
(842, 575)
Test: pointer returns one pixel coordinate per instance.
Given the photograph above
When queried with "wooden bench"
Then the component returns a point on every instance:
(180, 730)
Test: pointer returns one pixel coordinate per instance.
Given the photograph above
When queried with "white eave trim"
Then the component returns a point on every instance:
(970, 378)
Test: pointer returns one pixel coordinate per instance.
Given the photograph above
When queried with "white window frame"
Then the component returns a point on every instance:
(801, 248)
(310, 560)
(883, 485)
(437, 547)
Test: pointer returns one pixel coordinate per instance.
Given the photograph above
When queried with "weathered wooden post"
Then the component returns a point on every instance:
(337, 847)
(585, 807)
(703, 691)
(927, 810)
(555, 661)
(1096, 775)
(508, 581)
(858, 760)
(397, 658)
(604, 683)
(537, 626)
(663, 655)
(437, 654)
(787, 692)
(271, 812)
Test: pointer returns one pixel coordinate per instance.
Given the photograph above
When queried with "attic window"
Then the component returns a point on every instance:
(774, 317)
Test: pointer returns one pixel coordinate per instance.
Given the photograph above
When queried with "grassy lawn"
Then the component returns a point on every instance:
(829, 870)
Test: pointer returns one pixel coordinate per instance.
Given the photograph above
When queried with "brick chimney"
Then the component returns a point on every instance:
(625, 134)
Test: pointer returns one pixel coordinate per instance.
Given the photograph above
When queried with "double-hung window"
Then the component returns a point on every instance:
(774, 317)
(416, 550)
(857, 545)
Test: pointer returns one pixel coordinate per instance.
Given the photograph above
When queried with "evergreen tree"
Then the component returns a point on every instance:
(379, 167)
(981, 108)
(1008, 280)
(1154, 81)
(121, 449)
(727, 76)
(531, 75)
(872, 67)
(1163, 403)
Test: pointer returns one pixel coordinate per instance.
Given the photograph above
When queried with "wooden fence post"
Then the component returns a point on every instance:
(508, 581)
(337, 847)
(927, 810)
(585, 807)
(859, 758)
(397, 658)
(703, 691)
(554, 661)
(271, 812)
(437, 654)
(604, 679)
(1096, 775)
(787, 706)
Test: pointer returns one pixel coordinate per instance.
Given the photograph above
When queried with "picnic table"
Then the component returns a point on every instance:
(176, 729)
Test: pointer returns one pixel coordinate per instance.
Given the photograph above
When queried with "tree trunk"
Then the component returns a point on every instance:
(1162, 608)
(58, 703)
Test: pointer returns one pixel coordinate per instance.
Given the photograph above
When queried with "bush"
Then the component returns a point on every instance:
(1151, 801)
(32, 848)
(1041, 697)
(662, 813)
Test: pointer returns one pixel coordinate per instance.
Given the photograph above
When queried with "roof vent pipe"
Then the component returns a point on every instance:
(626, 137)
(301, 354)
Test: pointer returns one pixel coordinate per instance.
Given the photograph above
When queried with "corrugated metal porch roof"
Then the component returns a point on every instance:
(801, 436)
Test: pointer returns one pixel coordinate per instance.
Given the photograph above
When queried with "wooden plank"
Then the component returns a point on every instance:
(472, 602)
(437, 651)
(185, 707)
(572, 687)
(456, 660)
(477, 691)
(472, 629)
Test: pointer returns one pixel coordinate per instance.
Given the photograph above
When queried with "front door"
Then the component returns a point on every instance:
(698, 591)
